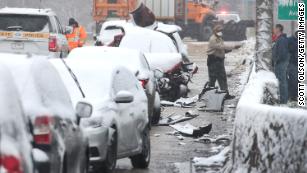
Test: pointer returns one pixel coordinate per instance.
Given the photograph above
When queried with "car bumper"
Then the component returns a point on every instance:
(98, 143)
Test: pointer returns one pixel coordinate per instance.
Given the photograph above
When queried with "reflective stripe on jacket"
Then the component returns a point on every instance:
(77, 38)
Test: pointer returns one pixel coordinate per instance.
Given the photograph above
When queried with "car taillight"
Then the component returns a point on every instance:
(42, 130)
(11, 164)
(53, 44)
(144, 82)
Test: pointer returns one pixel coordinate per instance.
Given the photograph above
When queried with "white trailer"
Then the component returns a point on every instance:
(163, 9)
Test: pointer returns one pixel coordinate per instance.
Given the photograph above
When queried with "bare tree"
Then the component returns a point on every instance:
(264, 27)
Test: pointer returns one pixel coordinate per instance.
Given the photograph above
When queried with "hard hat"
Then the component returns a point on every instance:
(134, 5)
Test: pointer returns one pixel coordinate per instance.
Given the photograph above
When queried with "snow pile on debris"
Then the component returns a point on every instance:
(214, 161)
(270, 138)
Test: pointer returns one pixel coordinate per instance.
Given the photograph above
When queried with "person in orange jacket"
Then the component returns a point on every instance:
(78, 37)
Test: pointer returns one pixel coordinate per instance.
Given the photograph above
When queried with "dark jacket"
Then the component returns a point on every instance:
(281, 50)
(293, 50)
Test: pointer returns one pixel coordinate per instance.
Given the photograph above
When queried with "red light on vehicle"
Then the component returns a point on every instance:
(144, 83)
(52, 44)
(11, 164)
(42, 132)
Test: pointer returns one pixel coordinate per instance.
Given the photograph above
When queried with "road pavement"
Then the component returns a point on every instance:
(171, 155)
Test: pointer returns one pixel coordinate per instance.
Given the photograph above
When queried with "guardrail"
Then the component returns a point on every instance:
(268, 138)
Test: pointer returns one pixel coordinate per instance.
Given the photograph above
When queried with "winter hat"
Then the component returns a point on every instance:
(72, 21)
(217, 28)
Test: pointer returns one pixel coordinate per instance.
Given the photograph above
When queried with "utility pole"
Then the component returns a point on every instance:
(264, 27)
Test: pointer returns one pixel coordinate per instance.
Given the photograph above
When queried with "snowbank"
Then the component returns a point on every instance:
(268, 138)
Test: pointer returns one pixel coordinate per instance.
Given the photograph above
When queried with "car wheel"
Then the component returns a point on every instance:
(109, 164)
(142, 160)
(156, 110)
(86, 164)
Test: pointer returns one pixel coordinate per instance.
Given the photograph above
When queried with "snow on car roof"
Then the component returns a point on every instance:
(147, 41)
(167, 28)
(119, 56)
(29, 11)
(95, 77)
(41, 90)
(10, 107)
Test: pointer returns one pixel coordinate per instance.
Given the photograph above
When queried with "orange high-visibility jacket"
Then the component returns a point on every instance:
(77, 38)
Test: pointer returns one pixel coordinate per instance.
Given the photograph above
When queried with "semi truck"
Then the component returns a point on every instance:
(195, 17)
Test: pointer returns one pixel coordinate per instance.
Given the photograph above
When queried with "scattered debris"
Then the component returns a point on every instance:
(190, 130)
(221, 139)
(231, 106)
(157, 135)
(180, 137)
(173, 119)
(218, 160)
(182, 102)
(212, 98)
(182, 143)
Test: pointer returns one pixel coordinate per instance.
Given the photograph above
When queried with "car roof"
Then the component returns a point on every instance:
(94, 75)
(119, 56)
(27, 11)
(42, 91)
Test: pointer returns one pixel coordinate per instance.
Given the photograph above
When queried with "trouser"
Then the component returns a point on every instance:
(217, 72)
(292, 81)
(281, 74)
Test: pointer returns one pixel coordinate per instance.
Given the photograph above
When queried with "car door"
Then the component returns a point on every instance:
(126, 113)
(62, 41)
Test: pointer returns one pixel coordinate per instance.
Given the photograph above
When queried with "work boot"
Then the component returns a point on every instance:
(229, 97)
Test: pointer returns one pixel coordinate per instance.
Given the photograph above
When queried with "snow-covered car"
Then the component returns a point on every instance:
(136, 62)
(54, 121)
(173, 32)
(15, 141)
(119, 127)
(35, 31)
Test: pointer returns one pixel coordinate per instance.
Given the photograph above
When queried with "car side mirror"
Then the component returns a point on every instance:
(124, 97)
(84, 110)
(158, 73)
(68, 30)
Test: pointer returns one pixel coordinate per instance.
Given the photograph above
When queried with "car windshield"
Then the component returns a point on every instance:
(21, 22)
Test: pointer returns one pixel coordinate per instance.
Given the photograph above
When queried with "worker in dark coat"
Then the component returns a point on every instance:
(216, 57)
(293, 67)
(281, 62)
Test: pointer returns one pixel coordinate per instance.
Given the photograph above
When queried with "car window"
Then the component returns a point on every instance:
(144, 63)
(28, 23)
(59, 26)
(124, 81)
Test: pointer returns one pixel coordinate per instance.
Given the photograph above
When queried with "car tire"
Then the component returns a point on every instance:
(109, 164)
(142, 160)
(157, 110)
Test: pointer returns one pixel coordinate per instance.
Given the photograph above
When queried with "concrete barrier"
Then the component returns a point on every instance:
(268, 139)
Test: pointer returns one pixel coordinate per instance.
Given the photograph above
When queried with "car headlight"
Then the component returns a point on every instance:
(93, 122)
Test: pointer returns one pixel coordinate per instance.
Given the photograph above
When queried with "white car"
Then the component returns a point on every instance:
(54, 121)
(34, 31)
(136, 62)
(119, 126)
(15, 141)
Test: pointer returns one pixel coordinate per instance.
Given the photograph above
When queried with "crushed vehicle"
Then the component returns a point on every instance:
(34, 31)
(119, 127)
(136, 62)
(53, 120)
(149, 42)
